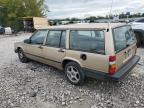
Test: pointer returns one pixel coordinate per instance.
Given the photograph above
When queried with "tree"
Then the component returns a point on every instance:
(11, 11)
(91, 18)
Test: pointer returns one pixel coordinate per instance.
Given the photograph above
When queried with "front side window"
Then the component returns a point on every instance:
(56, 38)
(38, 37)
(87, 40)
(123, 37)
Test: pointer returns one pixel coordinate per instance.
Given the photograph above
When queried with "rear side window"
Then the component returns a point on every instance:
(62, 40)
(89, 41)
(56, 38)
(123, 37)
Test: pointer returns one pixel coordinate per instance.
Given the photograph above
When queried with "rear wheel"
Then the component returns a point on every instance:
(22, 56)
(74, 73)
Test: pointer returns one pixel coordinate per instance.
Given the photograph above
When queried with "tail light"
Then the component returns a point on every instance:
(112, 65)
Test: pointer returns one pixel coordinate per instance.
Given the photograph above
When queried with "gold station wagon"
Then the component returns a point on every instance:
(83, 50)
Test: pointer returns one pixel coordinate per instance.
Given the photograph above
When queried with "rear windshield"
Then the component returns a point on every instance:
(90, 41)
(123, 37)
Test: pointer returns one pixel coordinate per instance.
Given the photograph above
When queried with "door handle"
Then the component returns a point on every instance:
(40, 47)
(61, 50)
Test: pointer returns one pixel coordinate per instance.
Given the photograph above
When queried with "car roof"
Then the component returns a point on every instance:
(86, 26)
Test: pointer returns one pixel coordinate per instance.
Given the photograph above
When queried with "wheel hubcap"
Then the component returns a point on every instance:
(21, 55)
(73, 74)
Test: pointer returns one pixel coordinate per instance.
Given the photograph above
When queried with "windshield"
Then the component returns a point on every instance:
(123, 37)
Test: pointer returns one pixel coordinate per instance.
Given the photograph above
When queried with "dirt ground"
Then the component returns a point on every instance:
(35, 85)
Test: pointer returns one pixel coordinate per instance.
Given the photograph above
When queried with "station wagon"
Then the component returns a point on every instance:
(102, 51)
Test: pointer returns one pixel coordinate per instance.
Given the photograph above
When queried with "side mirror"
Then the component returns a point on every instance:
(27, 41)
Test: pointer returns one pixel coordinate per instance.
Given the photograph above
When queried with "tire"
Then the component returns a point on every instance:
(22, 56)
(74, 73)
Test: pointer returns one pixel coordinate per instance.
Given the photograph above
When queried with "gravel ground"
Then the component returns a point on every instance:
(35, 85)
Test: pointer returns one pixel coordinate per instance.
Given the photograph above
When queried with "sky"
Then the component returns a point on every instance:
(85, 8)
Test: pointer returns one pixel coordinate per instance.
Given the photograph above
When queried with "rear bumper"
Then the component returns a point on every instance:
(123, 71)
(120, 74)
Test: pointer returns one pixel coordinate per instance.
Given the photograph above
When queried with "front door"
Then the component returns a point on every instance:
(34, 50)
(54, 49)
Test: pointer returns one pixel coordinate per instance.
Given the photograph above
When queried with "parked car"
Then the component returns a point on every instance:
(83, 50)
(2, 30)
(8, 30)
(138, 27)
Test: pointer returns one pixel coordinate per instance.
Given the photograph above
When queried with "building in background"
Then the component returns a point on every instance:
(33, 23)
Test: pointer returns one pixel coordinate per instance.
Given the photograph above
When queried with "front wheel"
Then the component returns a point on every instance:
(74, 73)
(21, 56)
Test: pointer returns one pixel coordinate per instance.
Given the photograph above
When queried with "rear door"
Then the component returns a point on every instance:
(54, 49)
(125, 44)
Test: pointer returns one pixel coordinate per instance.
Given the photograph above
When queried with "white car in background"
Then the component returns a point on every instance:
(138, 27)
(8, 30)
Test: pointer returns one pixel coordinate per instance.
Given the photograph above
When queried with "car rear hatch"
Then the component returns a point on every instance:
(125, 45)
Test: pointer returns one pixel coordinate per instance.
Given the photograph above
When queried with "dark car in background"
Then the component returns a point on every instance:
(2, 30)
(138, 27)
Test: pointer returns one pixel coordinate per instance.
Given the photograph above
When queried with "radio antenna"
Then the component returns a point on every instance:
(111, 7)
(110, 13)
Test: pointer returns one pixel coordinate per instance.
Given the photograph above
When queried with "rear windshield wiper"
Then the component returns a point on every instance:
(127, 45)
